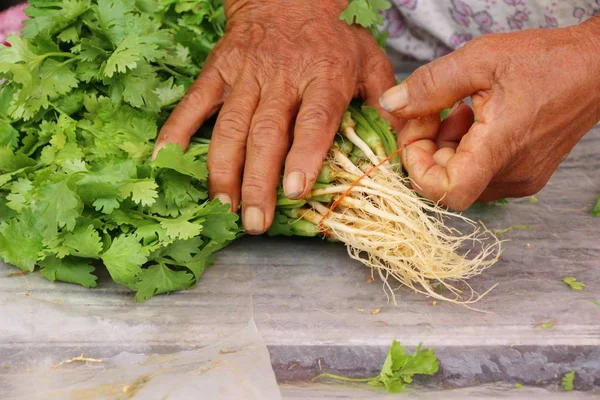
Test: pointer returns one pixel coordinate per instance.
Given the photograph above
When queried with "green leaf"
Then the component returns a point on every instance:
(58, 207)
(596, 303)
(51, 17)
(9, 136)
(142, 192)
(547, 325)
(573, 283)
(84, 242)
(10, 162)
(204, 258)
(158, 279)
(567, 381)
(181, 228)
(519, 386)
(183, 251)
(172, 157)
(69, 270)
(21, 241)
(365, 12)
(596, 209)
(124, 260)
(400, 367)
(221, 227)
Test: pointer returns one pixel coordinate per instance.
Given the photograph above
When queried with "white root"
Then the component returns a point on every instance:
(389, 228)
(351, 135)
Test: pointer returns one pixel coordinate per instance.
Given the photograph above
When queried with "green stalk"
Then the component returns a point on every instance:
(344, 144)
(326, 175)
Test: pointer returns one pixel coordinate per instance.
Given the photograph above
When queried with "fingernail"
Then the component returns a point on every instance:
(293, 184)
(158, 147)
(223, 198)
(395, 99)
(454, 107)
(254, 221)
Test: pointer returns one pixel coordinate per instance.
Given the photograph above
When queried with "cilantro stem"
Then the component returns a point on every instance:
(60, 54)
(343, 378)
(170, 70)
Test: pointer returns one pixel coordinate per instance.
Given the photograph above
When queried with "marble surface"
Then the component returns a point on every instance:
(311, 304)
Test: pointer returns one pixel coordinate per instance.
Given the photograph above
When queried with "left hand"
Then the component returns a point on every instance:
(535, 94)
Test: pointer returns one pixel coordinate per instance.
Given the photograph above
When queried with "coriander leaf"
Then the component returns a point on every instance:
(567, 381)
(84, 242)
(158, 279)
(20, 194)
(9, 136)
(221, 227)
(106, 206)
(124, 260)
(50, 17)
(365, 12)
(142, 192)
(172, 157)
(596, 209)
(69, 270)
(399, 367)
(204, 258)
(21, 241)
(58, 207)
(183, 251)
(181, 228)
(11, 162)
(573, 283)
(179, 190)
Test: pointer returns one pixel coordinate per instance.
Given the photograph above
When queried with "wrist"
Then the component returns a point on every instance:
(588, 36)
(233, 6)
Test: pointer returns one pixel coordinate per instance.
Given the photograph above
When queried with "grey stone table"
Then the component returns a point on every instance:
(311, 304)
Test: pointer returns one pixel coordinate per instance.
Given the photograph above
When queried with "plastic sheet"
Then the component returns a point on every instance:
(236, 367)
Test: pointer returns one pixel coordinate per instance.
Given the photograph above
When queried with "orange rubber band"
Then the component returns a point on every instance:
(352, 186)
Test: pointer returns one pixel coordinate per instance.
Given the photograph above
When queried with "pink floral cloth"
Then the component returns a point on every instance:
(11, 21)
(427, 29)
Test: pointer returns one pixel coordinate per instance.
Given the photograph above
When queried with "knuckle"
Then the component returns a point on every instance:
(221, 174)
(270, 124)
(315, 117)
(231, 127)
(426, 80)
(254, 185)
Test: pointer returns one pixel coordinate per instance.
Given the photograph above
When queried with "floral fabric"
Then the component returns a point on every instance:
(11, 21)
(428, 29)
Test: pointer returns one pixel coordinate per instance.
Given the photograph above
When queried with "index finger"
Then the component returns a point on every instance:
(202, 100)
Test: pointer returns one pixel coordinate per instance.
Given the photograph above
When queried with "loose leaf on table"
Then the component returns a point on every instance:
(399, 368)
(573, 283)
(567, 381)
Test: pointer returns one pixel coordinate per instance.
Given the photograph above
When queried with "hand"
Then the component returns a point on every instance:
(535, 94)
(282, 75)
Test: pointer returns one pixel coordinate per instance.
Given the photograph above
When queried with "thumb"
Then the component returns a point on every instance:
(440, 84)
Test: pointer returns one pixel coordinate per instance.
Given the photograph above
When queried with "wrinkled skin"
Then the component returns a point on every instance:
(535, 94)
(282, 76)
